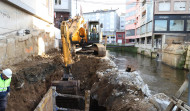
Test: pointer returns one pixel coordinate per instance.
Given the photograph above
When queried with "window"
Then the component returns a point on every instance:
(188, 25)
(144, 14)
(119, 35)
(164, 6)
(66, 18)
(138, 31)
(130, 22)
(144, 2)
(143, 29)
(130, 32)
(129, 14)
(160, 25)
(59, 2)
(149, 27)
(55, 2)
(176, 25)
(130, 5)
(179, 5)
(127, 0)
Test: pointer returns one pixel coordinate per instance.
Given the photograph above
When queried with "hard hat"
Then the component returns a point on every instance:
(7, 72)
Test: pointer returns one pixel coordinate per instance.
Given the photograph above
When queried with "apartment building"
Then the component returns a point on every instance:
(171, 22)
(120, 34)
(144, 20)
(130, 26)
(110, 21)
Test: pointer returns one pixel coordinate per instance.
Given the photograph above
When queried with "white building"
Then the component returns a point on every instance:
(109, 19)
(122, 22)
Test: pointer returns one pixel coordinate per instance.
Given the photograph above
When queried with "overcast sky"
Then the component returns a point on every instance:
(90, 5)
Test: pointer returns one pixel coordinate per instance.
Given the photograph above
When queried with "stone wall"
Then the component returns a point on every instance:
(15, 49)
(174, 55)
(145, 50)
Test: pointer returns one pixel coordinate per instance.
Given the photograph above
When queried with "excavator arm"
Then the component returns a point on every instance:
(66, 44)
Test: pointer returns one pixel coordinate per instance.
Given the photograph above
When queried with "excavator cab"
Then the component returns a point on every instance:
(94, 32)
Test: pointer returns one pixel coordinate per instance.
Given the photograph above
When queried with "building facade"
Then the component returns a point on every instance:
(120, 37)
(144, 20)
(120, 34)
(161, 29)
(130, 27)
(171, 22)
(110, 21)
(62, 11)
(122, 22)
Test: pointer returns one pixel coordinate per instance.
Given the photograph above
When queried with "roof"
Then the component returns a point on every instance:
(101, 11)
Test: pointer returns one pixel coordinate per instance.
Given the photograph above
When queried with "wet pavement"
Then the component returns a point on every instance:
(160, 78)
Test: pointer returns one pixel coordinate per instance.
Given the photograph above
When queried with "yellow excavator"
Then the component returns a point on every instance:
(76, 34)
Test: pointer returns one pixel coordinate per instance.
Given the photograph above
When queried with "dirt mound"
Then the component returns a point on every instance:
(116, 90)
(31, 80)
(84, 69)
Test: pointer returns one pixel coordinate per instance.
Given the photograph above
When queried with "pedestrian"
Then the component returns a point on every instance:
(5, 80)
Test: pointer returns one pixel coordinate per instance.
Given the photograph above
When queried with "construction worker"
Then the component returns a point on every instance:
(5, 80)
(94, 29)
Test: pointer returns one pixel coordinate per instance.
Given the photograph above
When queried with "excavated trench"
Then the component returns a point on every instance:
(32, 78)
(110, 89)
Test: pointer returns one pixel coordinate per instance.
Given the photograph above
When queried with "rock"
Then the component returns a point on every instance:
(161, 101)
(19, 85)
(137, 99)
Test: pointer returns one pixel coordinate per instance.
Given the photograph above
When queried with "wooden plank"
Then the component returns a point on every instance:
(178, 95)
(46, 104)
(87, 100)
(182, 89)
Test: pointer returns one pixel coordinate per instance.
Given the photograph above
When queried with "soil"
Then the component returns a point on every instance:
(110, 89)
(31, 80)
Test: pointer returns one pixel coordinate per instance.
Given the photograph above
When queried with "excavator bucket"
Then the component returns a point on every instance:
(100, 50)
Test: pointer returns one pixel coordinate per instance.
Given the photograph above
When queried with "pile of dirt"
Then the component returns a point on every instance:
(116, 90)
(31, 80)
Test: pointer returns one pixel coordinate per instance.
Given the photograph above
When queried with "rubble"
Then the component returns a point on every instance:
(115, 89)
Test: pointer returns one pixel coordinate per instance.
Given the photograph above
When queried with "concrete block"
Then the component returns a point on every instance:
(35, 45)
(28, 48)
(35, 33)
(19, 50)
(3, 48)
(11, 48)
(23, 38)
